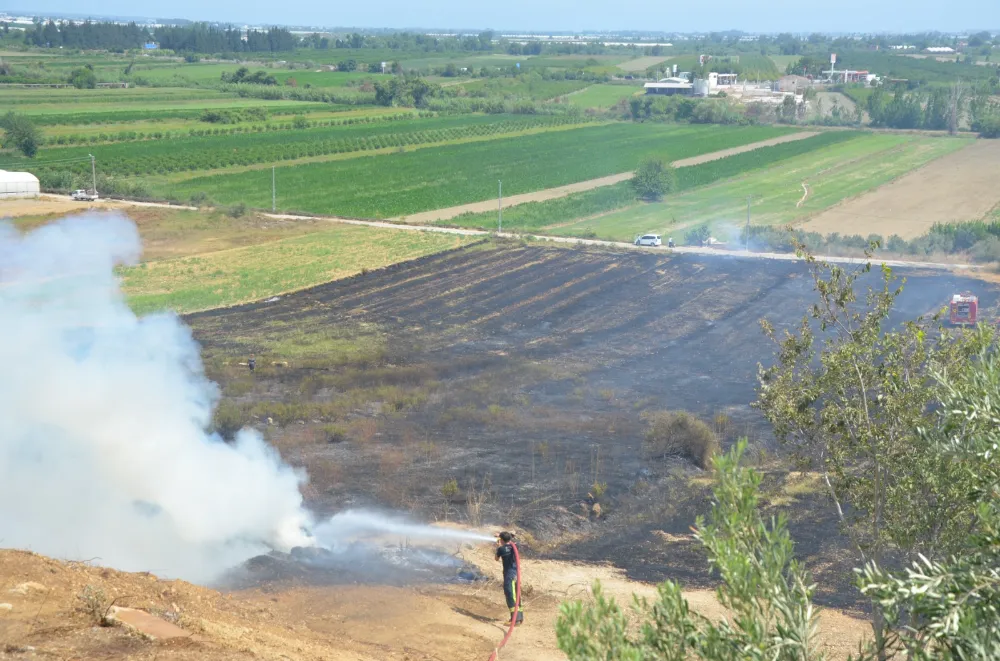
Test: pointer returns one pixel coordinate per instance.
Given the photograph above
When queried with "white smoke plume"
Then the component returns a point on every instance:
(104, 452)
(351, 525)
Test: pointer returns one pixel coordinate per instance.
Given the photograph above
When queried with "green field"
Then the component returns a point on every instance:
(220, 151)
(256, 272)
(781, 62)
(523, 87)
(391, 185)
(208, 75)
(535, 216)
(916, 70)
(833, 174)
(278, 117)
(602, 96)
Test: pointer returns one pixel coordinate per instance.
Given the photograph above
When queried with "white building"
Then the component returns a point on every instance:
(15, 185)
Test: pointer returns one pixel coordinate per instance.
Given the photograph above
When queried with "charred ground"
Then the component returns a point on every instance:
(512, 383)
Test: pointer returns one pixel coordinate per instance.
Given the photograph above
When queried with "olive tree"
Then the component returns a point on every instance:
(949, 609)
(848, 393)
(764, 588)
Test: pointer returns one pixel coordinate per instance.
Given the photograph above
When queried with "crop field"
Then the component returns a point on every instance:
(640, 64)
(524, 87)
(385, 186)
(208, 75)
(602, 96)
(253, 146)
(145, 129)
(532, 368)
(925, 70)
(552, 216)
(831, 175)
(574, 61)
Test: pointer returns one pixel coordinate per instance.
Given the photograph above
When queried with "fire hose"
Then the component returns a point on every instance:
(517, 606)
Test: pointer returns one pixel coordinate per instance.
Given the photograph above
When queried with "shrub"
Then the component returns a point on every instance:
(680, 434)
(96, 604)
(334, 433)
(697, 235)
(987, 250)
(229, 418)
(238, 210)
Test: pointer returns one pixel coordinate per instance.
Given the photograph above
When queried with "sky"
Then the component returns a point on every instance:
(568, 15)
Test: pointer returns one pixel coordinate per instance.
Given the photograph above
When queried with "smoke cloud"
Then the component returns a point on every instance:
(104, 452)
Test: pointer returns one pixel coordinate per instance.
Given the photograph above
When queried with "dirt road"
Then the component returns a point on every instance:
(580, 186)
(959, 187)
(54, 204)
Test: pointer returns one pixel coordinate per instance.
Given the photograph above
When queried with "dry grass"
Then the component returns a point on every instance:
(237, 275)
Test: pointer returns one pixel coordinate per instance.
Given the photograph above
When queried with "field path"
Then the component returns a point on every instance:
(580, 186)
(805, 195)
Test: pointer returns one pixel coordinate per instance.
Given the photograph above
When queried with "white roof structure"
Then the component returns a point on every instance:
(18, 184)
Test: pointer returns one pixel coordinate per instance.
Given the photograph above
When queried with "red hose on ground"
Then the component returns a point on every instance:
(517, 606)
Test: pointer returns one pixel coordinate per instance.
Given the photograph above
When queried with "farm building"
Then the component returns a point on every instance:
(671, 86)
(15, 185)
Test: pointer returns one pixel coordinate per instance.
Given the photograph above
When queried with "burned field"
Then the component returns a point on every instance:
(514, 383)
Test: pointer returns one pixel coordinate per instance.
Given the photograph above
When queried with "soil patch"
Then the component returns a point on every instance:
(959, 187)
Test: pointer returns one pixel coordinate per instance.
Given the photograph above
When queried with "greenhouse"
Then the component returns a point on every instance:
(17, 185)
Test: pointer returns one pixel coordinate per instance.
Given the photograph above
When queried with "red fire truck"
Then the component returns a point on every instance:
(964, 308)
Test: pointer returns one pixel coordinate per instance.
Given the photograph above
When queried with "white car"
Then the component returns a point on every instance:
(649, 240)
(84, 195)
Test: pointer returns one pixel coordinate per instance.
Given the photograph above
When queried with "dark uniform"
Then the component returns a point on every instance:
(506, 555)
(252, 364)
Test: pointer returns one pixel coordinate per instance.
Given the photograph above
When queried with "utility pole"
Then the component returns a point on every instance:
(93, 172)
(747, 230)
(499, 206)
(274, 196)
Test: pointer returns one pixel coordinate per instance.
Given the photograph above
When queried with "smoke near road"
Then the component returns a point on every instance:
(104, 452)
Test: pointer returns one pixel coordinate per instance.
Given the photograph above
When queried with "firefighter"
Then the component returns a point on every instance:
(670, 242)
(505, 554)
(252, 364)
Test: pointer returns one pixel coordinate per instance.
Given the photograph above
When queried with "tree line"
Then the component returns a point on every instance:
(195, 38)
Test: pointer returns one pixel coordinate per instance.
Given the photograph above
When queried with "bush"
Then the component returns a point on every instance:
(680, 434)
(987, 250)
(988, 127)
(696, 236)
(334, 433)
(229, 418)
(237, 210)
